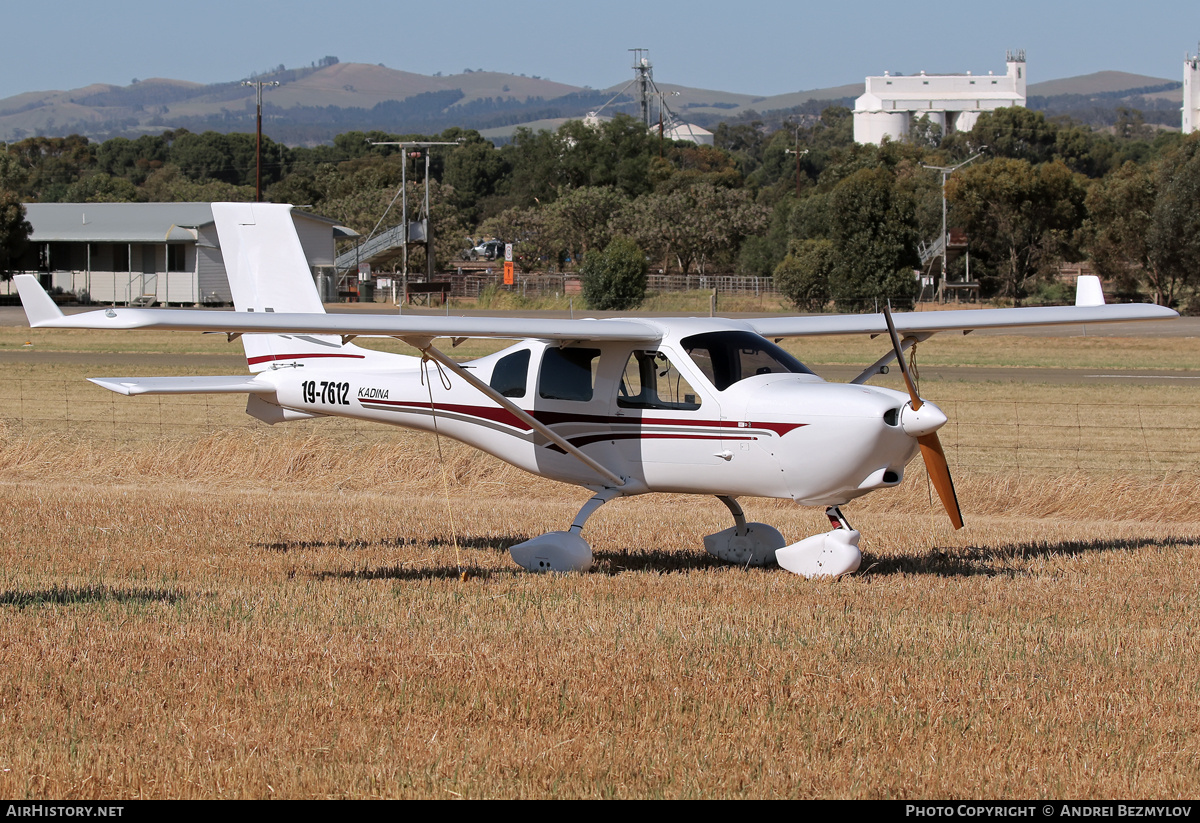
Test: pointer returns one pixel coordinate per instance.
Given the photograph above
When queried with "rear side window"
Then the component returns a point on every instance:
(568, 374)
(511, 373)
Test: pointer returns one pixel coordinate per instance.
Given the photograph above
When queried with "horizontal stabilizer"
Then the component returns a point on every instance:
(232, 384)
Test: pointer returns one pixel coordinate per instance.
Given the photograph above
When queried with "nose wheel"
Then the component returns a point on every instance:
(824, 555)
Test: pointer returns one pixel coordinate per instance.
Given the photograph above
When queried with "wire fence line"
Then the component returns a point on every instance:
(472, 283)
(987, 435)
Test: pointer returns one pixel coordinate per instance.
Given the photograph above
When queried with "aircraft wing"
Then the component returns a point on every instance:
(43, 313)
(929, 322)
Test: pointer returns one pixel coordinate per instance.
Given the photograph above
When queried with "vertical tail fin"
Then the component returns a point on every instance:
(268, 272)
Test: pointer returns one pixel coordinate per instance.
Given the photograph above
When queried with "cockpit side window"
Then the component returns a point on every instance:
(727, 357)
(568, 374)
(510, 374)
(651, 381)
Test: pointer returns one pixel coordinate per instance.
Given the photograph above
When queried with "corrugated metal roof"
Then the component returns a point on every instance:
(116, 222)
(131, 222)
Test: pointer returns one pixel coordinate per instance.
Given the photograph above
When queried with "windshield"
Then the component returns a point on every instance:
(726, 357)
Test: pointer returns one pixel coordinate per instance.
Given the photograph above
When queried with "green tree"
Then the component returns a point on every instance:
(535, 160)
(924, 133)
(475, 170)
(13, 174)
(1174, 235)
(229, 158)
(1120, 216)
(579, 218)
(14, 232)
(52, 164)
(662, 224)
(723, 218)
(1014, 132)
(693, 225)
(169, 185)
(134, 160)
(873, 232)
(101, 188)
(803, 276)
(1021, 219)
(527, 230)
(615, 279)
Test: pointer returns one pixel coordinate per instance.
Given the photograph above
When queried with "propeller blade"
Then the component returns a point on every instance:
(939, 473)
(931, 447)
(912, 390)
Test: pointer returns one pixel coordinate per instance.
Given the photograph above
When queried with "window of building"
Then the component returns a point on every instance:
(176, 257)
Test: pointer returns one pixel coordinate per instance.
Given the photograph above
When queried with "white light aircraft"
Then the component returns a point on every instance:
(619, 406)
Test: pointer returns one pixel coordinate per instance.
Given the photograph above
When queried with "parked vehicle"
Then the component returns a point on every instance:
(486, 250)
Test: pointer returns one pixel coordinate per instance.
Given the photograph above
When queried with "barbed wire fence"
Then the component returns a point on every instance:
(983, 435)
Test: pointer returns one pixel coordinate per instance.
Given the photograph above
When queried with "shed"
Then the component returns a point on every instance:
(146, 253)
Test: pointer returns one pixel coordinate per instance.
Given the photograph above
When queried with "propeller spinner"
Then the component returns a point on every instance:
(922, 420)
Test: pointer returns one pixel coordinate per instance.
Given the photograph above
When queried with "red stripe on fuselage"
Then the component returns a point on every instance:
(501, 415)
(266, 358)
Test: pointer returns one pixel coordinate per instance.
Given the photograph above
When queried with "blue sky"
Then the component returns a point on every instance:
(751, 46)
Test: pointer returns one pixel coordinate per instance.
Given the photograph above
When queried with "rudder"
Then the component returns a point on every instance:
(268, 272)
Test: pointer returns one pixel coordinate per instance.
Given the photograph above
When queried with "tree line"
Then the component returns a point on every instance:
(836, 223)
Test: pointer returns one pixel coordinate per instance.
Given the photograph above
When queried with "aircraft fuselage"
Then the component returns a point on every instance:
(701, 412)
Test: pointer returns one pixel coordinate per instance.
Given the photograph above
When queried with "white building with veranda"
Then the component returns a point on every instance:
(146, 253)
(891, 104)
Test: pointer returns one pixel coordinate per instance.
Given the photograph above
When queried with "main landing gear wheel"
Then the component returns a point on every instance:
(746, 544)
(562, 551)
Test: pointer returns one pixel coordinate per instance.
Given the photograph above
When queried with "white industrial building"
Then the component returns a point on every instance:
(892, 103)
(1191, 93)
(146, 253)
(687, 131)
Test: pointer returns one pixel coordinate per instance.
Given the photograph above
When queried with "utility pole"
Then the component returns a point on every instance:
(799, 154)
(258, 131)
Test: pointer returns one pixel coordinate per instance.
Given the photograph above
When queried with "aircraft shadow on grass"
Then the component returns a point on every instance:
(500, 543)
(1001, 560)
(71, 595)
(606, 562)
(968, 561)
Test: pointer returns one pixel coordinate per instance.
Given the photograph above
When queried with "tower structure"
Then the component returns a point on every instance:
(643, 76)
(1191, 92)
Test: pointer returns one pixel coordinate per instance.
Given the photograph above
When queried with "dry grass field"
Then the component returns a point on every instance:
(196, 607)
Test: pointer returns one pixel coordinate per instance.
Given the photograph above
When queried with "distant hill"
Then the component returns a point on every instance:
(1096, 99)
(1101, 82)
(312, 105)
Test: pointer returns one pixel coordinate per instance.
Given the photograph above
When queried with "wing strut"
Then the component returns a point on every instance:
(427, 348)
